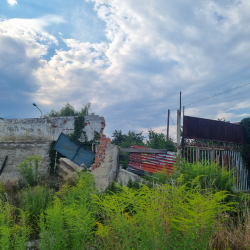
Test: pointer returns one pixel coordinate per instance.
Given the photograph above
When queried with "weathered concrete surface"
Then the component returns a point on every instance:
(108, 169)
(20, 138)
(17, 152)
(68, 168)
(93, 123)
(46, 129)
(124, 176)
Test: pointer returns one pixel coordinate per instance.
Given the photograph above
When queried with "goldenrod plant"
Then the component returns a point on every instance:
(180, 211)
(34, 200)
(29, 169)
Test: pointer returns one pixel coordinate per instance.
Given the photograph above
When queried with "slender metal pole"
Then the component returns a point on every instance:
(180, 100)
(39, 109)
(182, 141)
(178, 131)
(168, 125)
(180, 110)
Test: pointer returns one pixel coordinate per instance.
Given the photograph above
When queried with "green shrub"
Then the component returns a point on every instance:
(12, 235)
(29, 169)
(34, 200)
(211, 175)
(165, 217)
(70, 221)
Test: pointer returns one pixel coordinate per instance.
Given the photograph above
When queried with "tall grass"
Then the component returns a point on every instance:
(186, 210)
(34, 200)
(29, 169)
(212, 176)
(70, 221)
(234, 233)
(13, 234)
(165, 217)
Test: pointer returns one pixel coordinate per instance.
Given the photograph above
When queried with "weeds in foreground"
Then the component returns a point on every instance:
(212, 176)
(34, 200)
(29, 169)
(165, 217)
(178, 213)
(69, 222)
(13, 235)
(234, 233)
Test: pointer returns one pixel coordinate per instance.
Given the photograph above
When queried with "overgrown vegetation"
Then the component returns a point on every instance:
(69, 110)
(193, 208)
(246, 149)
(54, 157)
(78, 136)
(159, 140)
(155, 140)
(29, 169)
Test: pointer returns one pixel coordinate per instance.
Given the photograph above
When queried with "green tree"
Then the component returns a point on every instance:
(246, 149)
(159, 141)
(155, 140)
(127, 140)
(69, 110)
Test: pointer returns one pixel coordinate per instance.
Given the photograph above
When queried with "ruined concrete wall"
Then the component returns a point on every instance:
(17, 152)
(100, 154)
(93, 123)
(46, 129)
(106, 172)
(20, 138)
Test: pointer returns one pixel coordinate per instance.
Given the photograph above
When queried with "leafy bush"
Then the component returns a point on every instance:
(246, 149)
(29, 169)
(12, 235)
(212, 176)
(69, 110)
(159, 218)
(70, 221)
(159, 141)
(34, 200)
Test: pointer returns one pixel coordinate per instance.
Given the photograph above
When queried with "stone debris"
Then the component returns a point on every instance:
(68, 169)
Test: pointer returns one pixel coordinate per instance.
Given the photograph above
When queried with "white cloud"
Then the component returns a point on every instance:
(12, 2)
(153, 50)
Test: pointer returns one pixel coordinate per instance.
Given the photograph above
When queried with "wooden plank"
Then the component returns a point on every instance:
(197, 154)
(213, 155)
(225, 160)
(142, 150)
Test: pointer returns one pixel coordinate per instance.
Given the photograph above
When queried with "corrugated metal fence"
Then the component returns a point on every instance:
(151, 163)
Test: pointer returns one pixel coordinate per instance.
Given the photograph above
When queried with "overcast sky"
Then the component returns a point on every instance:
(129, 59)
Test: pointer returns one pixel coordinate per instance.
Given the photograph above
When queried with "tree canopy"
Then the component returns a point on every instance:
(69, 110)
(155, 140)
(246, 149)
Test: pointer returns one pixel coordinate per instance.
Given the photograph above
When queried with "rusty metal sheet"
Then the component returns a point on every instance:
(205, 129)
(218, 132)
(229, 133)
(212, 130)
(151, 162)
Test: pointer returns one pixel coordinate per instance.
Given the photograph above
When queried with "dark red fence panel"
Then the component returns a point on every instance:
(205, 129)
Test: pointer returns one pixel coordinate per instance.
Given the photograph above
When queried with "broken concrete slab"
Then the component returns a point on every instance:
(68, 169)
